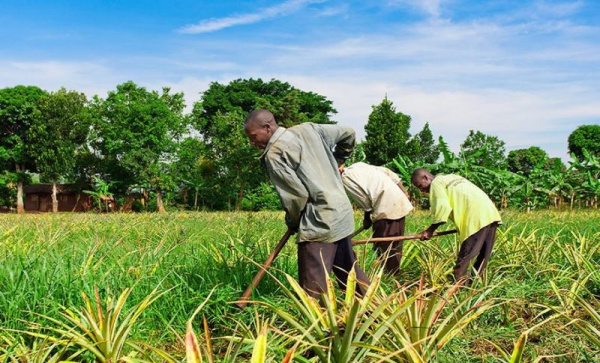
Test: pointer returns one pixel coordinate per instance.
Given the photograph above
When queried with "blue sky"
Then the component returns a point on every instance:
(525, 71)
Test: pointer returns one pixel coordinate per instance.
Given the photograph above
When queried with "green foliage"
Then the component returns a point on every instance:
(192, 170)
(18, 111)
(358, 154)
(548, 182)
(135, 133)
(405, 325)
(219, 118)
(483, 150)
(554, 164)
(289, 105)
(186, 256)
(19, 108)
(8, 192)
(262, 198)
(523, 161)
(585, 137)
(101, 194)
(58, 131)
(422, 146)
(101, 331)
(387, 134)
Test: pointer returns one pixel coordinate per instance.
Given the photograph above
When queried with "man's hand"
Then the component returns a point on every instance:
(367, 223)
(341, 167)
(291, 226)
(426, 235)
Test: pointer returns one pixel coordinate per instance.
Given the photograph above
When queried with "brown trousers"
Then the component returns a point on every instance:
(392, 250)
(316, 260)
(477, 245)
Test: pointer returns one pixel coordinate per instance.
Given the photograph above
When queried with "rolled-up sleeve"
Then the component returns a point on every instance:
(291, 190)
(340, 139)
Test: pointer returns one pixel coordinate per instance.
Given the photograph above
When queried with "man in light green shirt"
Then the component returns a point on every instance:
(302, 163)
(474, 214)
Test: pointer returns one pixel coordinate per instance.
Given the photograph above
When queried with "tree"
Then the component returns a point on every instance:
(219, 118)
(193, 168)
(135, 133)
(588, 171)
(585, 137)
(59, 131)
(483, 150)
(555, 164)
(423, 147)
(523, 161)
(18, 110)
(8, 194)
(387, 133)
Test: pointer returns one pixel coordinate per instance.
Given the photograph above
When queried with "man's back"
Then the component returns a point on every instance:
(376, 190)
(455, 197)
(303, 168)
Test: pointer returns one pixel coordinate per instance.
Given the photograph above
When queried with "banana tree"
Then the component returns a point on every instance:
(404, 166)
(589, 171)
(101, 194)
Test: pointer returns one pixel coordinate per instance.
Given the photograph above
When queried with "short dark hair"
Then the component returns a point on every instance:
(261, 117)
(418, 173)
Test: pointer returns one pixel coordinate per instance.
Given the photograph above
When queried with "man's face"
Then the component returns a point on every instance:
(259, 135)
(423, 183)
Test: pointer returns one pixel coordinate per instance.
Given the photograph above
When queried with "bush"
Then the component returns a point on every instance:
(262, 198)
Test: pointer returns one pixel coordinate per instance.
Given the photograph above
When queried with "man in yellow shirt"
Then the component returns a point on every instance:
(474, 214)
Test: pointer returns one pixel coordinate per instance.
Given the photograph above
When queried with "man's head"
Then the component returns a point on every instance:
(422, 178)
(259, 127)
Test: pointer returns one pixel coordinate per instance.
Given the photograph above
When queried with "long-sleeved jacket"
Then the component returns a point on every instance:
(302, 162)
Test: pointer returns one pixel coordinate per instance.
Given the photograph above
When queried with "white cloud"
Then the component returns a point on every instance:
(87, 77)
(211, 25)
(519, 118)
(333, 11)
(49, 70)
(432, 8)
(190, 86)
(527, 78)
(560, 9)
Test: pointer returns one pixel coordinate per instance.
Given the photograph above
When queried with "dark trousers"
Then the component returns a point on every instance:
(391, 250)
(477, 245)
(316, 260)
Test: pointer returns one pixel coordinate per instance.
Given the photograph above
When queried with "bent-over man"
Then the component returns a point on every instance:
(380, 193)
(474, 214)
(302, 163)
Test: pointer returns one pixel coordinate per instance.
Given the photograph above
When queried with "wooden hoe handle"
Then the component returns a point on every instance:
(399, 238)
(243, 301)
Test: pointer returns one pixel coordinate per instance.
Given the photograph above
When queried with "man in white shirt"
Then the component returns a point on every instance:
(379, 192)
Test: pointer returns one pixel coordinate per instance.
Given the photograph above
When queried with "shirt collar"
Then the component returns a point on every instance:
(276, 135)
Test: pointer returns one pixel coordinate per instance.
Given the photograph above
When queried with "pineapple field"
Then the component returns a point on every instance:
(149, 287)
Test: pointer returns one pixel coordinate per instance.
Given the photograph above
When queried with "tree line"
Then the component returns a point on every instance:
(141, 148)
(525, 178)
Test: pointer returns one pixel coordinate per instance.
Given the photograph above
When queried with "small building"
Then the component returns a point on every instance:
(38, 198)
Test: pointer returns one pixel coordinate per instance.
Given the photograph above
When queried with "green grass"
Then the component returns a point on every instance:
(47, 260)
